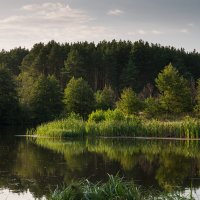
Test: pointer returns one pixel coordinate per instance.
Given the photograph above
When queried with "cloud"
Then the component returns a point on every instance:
(191, 24)
(141, 32)
(184, 30)
(115, 12)
(47, 21)
(156, 32)
(56, 12)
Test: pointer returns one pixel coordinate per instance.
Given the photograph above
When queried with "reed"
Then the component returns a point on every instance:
(115, 188)
(185, 128)
(115, 124)
(69, 127)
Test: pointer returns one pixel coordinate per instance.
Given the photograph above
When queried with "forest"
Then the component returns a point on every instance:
(52, 80)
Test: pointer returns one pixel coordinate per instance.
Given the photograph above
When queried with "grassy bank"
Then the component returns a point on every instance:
(72, 126)
(115, 188)
(115, 123)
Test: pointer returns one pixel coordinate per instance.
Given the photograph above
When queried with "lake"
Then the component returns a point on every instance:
(33, 168)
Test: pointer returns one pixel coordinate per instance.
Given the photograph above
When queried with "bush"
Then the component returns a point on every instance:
(100, 115)
(97, 116)
(115, 115)
(114, 123)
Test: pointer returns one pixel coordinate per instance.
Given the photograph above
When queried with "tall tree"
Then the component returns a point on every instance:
(41, 97)
(79, 97)
(74, 64)
(129, 76)
(105, 99)
(12, 59)
(9, 105)
(174, 90)
(129, 102)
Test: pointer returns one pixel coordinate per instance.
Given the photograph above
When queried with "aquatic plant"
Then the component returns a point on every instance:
(115, 124)
(115, 188)
(70, 127)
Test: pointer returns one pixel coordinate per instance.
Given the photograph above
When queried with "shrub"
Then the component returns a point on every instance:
(100, 115)
(115, 115)
(97, 116)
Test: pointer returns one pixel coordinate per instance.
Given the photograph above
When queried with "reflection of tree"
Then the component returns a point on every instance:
(168, 162)
(38, 168)
(42, 164)
(173, 170)
(7, 158)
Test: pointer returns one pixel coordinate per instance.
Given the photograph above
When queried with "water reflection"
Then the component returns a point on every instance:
(37, 166)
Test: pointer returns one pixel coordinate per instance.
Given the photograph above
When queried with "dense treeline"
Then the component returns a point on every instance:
(38, 78)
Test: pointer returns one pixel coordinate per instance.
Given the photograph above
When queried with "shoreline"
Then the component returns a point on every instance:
(113, 137)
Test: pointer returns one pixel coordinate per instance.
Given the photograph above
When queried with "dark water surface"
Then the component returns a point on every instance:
(32, 168)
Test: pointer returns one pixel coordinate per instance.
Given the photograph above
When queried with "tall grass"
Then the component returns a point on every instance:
(72, 126)
(114, 123)
(113, 128)
(114, 189)
(185, 128)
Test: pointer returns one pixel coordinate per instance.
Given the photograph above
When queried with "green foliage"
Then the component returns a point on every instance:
(46, 59)
(129, 102)
(74, 64)
(100, 115)
(152, 107)
(197, 107)
(114, 128)
(9, 105)
(105, 99)
(97, 116)
(47, 99)
(41, 97)
(117, 64)
(129, 76)
(115, 115)
(12, 59)
(174, 89)
(73, 126)
(198, 92)
(114, 123)
(115, 188)
(79, 97)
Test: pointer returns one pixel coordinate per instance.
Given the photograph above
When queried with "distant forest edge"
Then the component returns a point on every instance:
(33, 83)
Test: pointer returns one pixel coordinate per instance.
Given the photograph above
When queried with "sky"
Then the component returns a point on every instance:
(167, 22)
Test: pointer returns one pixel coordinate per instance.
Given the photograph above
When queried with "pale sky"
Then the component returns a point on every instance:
(168, 22)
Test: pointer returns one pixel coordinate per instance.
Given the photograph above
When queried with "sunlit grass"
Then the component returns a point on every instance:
(69, 127)
(115, 124)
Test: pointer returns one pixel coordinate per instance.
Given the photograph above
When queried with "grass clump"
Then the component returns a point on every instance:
(114, 189)
(112, 123)
(72, 126)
